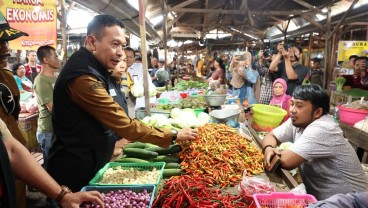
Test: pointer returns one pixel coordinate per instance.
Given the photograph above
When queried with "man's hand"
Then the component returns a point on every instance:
(74, 200)
(285, 54)
(187, 134)
(280, 46)
(268, 155)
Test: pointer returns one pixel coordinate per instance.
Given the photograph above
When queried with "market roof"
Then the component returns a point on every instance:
(249, 19)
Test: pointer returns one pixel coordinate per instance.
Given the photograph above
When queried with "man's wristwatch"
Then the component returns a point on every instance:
(174, 134)
(265, 147)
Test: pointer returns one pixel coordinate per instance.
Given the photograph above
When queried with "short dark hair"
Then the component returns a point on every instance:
(315, 94)
(298, 47)
(44, 51)
(15, 67)
(361, 58)
(316, 59)
(353, 56)
(127, 48)
(101, 21)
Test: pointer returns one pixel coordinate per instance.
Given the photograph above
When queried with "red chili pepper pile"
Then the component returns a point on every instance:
(193, 192)
(221, 154)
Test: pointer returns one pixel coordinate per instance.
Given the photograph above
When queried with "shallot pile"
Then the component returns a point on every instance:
(123, 198)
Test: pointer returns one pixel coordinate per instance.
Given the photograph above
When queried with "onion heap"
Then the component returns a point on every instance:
(123, 198)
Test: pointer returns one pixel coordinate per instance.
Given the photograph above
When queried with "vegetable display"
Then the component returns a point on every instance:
(180, 118)
(123, 198)
(191, 191)
(138, 152)
(221, 154)
(132, 176)
(185, 85)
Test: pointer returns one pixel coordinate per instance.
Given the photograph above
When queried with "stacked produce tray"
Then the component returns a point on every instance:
(126, 166)
(137, 189)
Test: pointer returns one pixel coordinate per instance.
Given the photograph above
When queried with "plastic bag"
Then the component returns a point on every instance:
(253, 185)
(299, 189)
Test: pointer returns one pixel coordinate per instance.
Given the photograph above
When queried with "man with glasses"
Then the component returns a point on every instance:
(83, 109)
(289, 69)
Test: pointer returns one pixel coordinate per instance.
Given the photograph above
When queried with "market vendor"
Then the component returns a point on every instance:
(83, 109)
(328, 162)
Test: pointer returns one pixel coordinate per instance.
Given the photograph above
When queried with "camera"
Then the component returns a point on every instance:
(267, 52)
(287, 46)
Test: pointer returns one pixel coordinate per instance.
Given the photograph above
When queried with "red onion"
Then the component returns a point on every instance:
(123, 198)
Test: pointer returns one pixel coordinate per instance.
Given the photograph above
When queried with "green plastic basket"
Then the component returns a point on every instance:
(151, 189)
(125, 166)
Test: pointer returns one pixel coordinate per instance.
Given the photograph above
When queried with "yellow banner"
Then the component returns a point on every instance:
(35, 17)
(348, 48)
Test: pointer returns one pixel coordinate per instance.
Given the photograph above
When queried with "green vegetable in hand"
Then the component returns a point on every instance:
(340, 81)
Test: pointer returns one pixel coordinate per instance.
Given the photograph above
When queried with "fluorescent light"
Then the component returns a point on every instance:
(78, 19)
(134, 4)
(187, 42)
(154, 21)
(320, 17)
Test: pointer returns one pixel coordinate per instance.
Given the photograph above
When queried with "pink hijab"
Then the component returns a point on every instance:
(281, 99)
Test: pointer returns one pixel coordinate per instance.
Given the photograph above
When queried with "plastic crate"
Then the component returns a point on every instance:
(137, 189)
(139, 166)
(279, 199)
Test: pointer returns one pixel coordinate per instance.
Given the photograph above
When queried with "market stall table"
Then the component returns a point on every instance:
(356, 137)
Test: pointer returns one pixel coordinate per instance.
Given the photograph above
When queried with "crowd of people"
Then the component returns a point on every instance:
(87, 107)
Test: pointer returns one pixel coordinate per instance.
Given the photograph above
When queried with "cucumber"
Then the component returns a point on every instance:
(135, 145)
(131, 160)
(139, 153)
(167, 159)
(172, 149)
(172, 165)
(171, 172)
(149, 145)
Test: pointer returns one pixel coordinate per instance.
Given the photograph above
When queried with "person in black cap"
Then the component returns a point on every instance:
(15, 159)
(315, 74)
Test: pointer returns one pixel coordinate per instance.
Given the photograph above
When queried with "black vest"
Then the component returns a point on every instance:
(81, 146)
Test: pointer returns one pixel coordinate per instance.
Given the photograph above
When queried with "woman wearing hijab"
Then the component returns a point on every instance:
(280, 98)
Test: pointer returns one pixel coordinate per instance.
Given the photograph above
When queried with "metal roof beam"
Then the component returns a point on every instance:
(308, 6)
(221, 11)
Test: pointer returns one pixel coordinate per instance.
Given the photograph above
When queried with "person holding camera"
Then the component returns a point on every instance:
(289, 69)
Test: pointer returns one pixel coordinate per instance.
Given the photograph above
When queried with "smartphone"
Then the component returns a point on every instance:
(240, 57)
(275, 164)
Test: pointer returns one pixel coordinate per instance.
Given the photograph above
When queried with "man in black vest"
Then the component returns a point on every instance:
(15, 159)
(83, 109)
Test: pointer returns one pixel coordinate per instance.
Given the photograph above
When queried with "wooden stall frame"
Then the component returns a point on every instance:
(284, 174)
